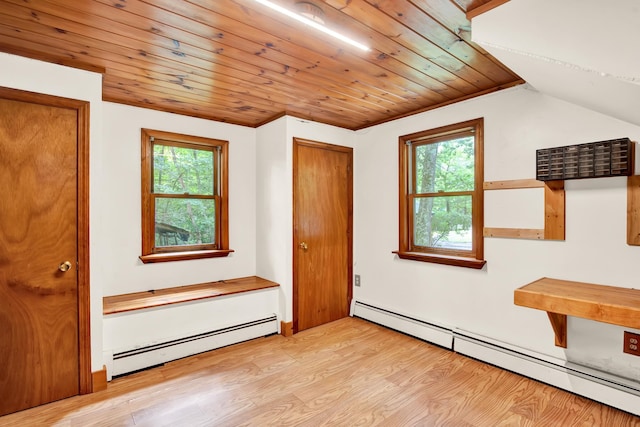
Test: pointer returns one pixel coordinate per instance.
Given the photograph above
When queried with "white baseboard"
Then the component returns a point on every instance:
(415, 327)
(600, 386)
(123, 362)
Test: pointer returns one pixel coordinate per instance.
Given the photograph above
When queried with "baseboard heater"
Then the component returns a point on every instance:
(426, 331)
(600, 386)
(156, 354)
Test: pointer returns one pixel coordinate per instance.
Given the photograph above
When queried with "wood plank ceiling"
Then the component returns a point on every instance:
(238, 61)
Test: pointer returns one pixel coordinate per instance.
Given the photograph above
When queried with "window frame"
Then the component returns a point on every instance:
(220, 248)
(407, 250)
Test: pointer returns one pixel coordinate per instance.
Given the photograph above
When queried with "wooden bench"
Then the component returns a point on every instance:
(160, 297)
(559, 298)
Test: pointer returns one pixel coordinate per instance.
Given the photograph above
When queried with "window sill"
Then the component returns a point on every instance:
(182, 256)
(442, 259)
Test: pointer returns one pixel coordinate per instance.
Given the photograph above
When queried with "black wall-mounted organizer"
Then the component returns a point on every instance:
(593, 160)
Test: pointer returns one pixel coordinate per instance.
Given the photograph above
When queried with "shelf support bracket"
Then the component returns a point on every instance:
(559, 325)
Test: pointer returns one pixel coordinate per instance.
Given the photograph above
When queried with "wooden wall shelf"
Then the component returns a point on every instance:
(554, 210)
(562, 298)
(633, 210)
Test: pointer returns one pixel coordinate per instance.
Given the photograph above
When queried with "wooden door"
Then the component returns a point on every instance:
(40, 314)
(322, 253)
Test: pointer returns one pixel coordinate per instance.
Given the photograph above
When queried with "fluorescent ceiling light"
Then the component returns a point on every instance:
(313, 24)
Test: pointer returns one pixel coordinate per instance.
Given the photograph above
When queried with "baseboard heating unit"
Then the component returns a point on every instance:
(609, 389)
(415, 327)
(159, 353)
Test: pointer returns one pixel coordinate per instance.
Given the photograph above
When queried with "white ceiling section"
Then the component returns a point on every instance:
(583, 51)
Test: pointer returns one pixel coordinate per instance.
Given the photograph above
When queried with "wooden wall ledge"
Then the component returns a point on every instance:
(554, 210)
(159, 297)
(562, 298)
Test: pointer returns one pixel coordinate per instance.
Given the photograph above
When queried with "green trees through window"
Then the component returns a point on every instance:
(184, 197)
(441, 195)
(442, 219)
(189, 173)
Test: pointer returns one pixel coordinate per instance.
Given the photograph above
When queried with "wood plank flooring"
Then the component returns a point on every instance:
(346, 373)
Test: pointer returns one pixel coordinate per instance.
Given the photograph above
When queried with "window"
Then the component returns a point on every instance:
(441, 195)
(184, 197)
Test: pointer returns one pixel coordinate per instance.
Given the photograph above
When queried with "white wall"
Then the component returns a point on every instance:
(275, 199)
(122, 194)
(273, 206)
(35, 76)
(517, 122)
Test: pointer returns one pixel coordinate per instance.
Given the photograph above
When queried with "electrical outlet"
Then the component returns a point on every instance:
(631, 343)
(357, 281)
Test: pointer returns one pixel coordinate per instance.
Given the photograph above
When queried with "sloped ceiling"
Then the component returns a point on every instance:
(585, 52)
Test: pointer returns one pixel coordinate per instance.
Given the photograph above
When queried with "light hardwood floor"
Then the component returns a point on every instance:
(346, 373)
